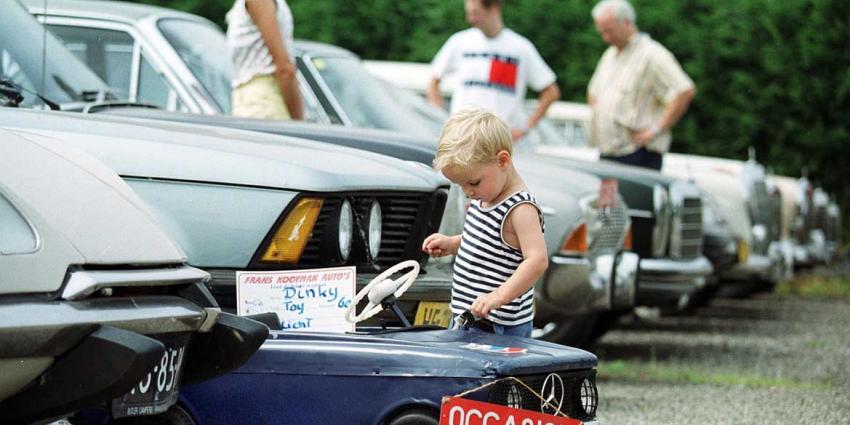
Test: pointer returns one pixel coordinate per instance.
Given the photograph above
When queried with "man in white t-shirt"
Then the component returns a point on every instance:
(492, 68)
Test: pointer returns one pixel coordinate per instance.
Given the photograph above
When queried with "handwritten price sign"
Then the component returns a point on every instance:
(303, 299)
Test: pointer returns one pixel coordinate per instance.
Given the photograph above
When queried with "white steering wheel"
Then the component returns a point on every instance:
(380, 288)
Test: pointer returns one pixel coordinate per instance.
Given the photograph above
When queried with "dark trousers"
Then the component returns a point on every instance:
(642, 157)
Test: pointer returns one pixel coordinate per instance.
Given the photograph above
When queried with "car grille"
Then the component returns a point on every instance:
(686, 240)
(607, 229)
(408, 218)
(572, 405)
(765, 210)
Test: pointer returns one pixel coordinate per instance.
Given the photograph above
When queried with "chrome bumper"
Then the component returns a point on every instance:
(664, 280)
(575, 285)
(757, 266)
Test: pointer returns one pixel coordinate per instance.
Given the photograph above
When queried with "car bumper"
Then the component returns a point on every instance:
(756, 267)
(662, 281)
(57, 341)
(575, 285)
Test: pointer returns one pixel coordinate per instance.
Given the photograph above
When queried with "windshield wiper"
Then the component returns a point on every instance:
(14, 96)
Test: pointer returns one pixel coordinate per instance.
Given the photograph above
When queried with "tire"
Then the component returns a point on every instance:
(573, 331)
(176, 415)
(604, 322)
(416, 417)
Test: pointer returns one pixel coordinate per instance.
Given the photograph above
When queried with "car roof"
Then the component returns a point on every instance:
(109, 10)
(316, 48)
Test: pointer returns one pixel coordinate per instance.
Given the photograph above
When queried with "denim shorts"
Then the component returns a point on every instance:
(521, 330)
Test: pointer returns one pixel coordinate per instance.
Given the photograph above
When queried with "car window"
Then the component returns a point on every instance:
(366, 100)
(109, 53)
(16, 235)
(153, 88)
(200, 45)
(34, 59)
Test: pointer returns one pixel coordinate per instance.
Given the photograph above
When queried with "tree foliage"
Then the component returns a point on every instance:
(770, 74)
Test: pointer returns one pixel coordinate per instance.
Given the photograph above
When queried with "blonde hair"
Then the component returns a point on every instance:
(470, 137)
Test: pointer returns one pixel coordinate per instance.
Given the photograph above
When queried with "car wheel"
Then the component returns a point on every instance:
(176, 415)
(604, 322)
(574, 331)
(416, 417)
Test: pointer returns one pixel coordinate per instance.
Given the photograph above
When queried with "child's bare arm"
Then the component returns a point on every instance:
(526, 224)
(439, 245)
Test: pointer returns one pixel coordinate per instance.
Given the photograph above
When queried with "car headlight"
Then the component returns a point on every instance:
(663, 215)
(588, 398)
(373, 232)
(345, 230)
(759, 232)
(576, 243)
(514, 398)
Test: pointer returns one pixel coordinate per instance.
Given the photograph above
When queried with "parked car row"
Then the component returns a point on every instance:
(281, 198)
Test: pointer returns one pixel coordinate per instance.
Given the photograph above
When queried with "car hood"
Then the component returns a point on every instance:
(80, 213)
(439, 353)
(168, 150)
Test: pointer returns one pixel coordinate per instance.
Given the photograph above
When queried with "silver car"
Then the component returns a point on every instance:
(99, 306)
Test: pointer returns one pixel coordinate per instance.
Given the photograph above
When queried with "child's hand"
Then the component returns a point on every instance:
(438, 245)
(483, 305)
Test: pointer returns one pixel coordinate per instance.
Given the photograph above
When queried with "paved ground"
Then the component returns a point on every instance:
(768, 359)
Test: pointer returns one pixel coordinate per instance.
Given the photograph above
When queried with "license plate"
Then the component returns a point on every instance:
(433, 313)
(158, 390)
(743, 251)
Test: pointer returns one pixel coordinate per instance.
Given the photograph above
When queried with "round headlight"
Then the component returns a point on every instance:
(346, 220)
(375, 227)
(514, 399)
(759, 232)
(588, 397)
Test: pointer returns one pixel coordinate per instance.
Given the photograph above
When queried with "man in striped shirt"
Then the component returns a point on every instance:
(637, 93)
(501, 252)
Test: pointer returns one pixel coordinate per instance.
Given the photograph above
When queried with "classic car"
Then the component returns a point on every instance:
(228, 196)
(754, 211)
(581, 280)
(99, 307)
(394, 377)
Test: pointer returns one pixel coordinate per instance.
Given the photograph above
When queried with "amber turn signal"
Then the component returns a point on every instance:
(576, 242)
(290, 238)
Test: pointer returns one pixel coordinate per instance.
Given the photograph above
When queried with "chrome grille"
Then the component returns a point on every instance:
(529, 401)
(607, 228)
(686, 240)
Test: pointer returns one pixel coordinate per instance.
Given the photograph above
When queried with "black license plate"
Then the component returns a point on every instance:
(158, 390)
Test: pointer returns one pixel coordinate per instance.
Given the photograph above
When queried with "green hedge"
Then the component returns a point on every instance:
(773, 74)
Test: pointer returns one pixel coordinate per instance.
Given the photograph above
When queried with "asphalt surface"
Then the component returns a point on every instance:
(767, 359)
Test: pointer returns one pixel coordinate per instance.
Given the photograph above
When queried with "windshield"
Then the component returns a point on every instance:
(370, 102)
(27, 49)
(200, 47)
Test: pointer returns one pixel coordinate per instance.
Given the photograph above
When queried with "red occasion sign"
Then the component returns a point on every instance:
(460, 411)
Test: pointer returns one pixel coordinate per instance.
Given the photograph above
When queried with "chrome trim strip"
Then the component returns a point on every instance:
(84, 283)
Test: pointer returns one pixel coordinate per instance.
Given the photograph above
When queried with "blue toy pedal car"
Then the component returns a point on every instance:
(393, 377)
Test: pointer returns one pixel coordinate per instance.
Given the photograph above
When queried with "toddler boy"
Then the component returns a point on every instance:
(501, 252)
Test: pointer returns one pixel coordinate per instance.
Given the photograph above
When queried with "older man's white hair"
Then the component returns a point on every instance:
(621, 9)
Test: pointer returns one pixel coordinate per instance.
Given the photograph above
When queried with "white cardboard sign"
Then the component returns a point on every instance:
(313, 300)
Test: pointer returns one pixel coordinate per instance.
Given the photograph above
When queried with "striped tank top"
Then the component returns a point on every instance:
(485, 261)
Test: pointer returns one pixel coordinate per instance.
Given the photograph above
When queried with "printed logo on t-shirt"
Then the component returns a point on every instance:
(503, 71)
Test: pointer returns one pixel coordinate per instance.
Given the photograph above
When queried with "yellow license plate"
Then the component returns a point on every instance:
(433, 313)
(743, 251)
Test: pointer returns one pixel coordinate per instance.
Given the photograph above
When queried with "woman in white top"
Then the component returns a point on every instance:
(259, 36)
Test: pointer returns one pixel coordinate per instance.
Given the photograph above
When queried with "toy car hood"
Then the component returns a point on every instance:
(470, 354)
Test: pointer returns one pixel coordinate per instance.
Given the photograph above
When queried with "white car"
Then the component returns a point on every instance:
(96, 296)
